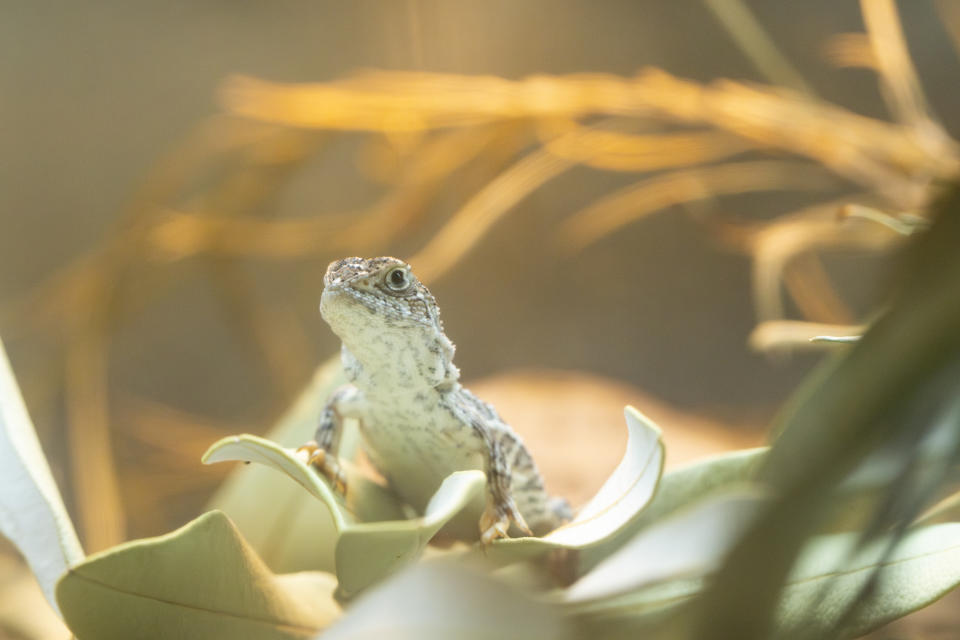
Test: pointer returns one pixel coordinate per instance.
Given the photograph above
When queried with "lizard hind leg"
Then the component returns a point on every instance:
(497, 518)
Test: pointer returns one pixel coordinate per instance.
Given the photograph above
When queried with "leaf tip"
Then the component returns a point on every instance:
(209, 456)
(632, 414)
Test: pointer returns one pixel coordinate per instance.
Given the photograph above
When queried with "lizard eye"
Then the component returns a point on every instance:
(397, 279)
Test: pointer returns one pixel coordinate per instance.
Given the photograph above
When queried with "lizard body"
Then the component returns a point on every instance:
(418, 424)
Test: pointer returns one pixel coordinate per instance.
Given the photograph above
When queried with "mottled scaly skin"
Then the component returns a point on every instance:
(417, 422)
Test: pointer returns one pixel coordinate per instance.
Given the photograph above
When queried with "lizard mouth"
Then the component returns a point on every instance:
(337, 301)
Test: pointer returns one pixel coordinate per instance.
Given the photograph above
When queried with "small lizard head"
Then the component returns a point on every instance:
(376, 291)
(388, 321)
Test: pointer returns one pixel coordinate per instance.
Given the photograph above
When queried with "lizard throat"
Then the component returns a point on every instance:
(386, 344)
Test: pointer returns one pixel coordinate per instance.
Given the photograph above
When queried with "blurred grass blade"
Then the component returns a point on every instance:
(617, 151)
(904, 95)
(201, 581)
(32, 515)
(903, 223)
(835, 339)
(788, 335)
(96, 488)
(468, 225)
(850, 50)
(783, 241)
(826, 580)
(756, 45)
(885, 390)
(434, 600)
(628, 205)
(25, 613)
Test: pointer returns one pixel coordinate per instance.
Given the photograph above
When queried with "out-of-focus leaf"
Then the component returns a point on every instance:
(884, 391)
(947, 510)
(681, 488)
(618, 503)
(368, 552)
(289, 529)
(932, 459)
(32, 515)
(201, 581)
(686, 545)
(829, 573)
(435, 600)
(371, 540)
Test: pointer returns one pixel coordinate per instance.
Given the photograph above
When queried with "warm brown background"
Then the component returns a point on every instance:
(95, 93)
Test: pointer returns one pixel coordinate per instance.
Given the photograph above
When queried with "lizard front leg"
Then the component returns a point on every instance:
(322, 451)
(501, 508)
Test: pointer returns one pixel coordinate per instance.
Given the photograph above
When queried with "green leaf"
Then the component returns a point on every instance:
(32, 515)
(923, 566)
(201, 581)
(365, 551)
(368, 552)
(288, 528)
(690, 543)
(681, 488)
(830, 573)
(437, 600)
(613, 509)
(380, 548)
(366, 499)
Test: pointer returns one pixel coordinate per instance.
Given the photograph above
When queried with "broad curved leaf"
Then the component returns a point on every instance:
(689, 544)
(436, 600)
(366, 499)
(32, 515)
(619, 502)
(202, 581)
(828, 575)
(368, 552)
(370, 537)
(288, 528)
(923, 566)
(682, 488)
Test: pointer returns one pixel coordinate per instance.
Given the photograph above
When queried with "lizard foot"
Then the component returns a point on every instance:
(496, 519)
(326, 463)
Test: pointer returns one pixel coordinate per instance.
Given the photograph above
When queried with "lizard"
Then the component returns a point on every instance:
(417, 423)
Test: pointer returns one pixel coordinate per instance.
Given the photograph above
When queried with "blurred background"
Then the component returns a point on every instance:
(601, 218)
